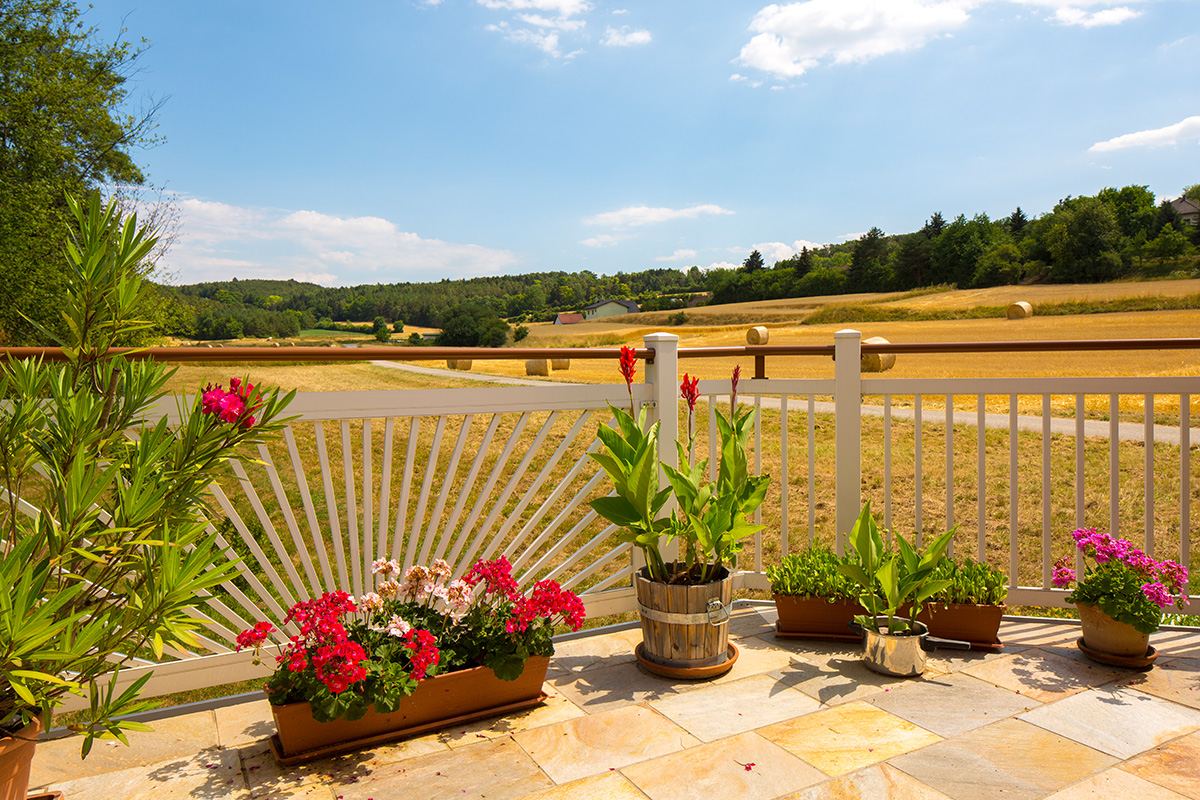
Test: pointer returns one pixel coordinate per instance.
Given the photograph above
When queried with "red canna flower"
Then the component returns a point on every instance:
(628, 366)
(737, 373)
(689, 391)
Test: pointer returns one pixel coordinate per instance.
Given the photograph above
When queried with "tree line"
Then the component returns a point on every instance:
(1115, 234)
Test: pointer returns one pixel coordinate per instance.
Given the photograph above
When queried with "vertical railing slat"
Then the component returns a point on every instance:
(887, 462)
(1080, 413)
(385, 488)
(410, 455)
(1185, 479)
(468, 484)
(950, 465)
(784, 484)
(435, 517)
(918, 485)
(314, 584)
(310, 511)
(1148, 440)
(812, 470)
(1014, 569)
(981, 478)
(1047, 511)
(1114, 465)
(368, 502)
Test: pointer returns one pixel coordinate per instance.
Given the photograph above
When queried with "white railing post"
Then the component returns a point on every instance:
(847, 401)
(663, 377)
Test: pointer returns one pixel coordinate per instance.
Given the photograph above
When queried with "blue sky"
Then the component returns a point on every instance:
(402, 140)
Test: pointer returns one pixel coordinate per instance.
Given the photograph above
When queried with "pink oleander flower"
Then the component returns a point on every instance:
(238, 405)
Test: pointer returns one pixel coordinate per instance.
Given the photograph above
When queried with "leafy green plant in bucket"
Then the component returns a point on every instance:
(813, 572)
(886, 580)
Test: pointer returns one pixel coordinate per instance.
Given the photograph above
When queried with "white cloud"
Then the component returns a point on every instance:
(644, 215)
(620, 11)
(678, 255)
(562, 24)
(721, 265)
(540, 22)
(794, 38)
(778, 251)
(602, 240)
(624, 37)
(736, 78)
(218, 241)
(846, 236)
(1071, 15)
(1172, 134)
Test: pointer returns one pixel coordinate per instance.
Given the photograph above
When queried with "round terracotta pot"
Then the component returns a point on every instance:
(1104, 634)
(16, 757)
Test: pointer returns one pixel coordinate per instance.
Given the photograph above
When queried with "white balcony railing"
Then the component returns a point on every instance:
(463, 474)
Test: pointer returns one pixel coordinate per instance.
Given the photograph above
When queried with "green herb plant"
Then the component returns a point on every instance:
(971, 582)
(813, 572)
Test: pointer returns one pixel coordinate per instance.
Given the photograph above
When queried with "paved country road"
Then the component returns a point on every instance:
(1126, 431)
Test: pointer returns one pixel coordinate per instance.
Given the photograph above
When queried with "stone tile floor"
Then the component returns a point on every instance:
(792, 719)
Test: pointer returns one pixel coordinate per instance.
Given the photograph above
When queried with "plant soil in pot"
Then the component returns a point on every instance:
(685, 628)
(16, 757)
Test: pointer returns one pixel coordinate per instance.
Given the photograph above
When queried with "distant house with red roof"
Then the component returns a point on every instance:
(567, 319)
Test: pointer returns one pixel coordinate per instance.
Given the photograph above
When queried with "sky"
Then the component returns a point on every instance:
(414, 140)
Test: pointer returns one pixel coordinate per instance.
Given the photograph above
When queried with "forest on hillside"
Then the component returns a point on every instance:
(1115, 234)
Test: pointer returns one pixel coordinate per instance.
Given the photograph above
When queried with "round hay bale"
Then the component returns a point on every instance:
(560, 363)
(1020, 310)
(877, 362)
(537, 366)
(464, 364)
(451, 363)
(757, 335)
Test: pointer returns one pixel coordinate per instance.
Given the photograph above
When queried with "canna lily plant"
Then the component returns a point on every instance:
(105, 542)
(887, 580)
(713, 517)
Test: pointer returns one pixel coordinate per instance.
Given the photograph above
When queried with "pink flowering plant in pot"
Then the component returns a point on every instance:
(354, 654)
(1124, 582)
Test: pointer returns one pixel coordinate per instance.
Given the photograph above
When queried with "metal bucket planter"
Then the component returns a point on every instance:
(901, 655)
(685, 629)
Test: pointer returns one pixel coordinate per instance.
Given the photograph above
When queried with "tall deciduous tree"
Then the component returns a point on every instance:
(64, 126)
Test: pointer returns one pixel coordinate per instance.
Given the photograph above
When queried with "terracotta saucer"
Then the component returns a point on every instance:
(1128, 662)
(688, 673)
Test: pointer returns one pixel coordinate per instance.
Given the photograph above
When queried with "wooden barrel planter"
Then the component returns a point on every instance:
(685, 629)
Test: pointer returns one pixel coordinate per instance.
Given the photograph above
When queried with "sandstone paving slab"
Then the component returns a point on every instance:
(1042, 675)
(214, 774)
(1012, 759)
(1022, 633)
(878, 782)
(556, 709)
(725, 709)
(745, 765)
(594, 744)
(266, 776)
(752, 621)
(754, 658)
(1180, 644)
(1117, 720)
(836, 679)
(244, 723)
(1176, 679)
(611, 786)
(1115, 783)
(1175, 765)
(173, 737)
(596, 652)
(847, 737)
(612, 687)
(952, 704)
(496, 770)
